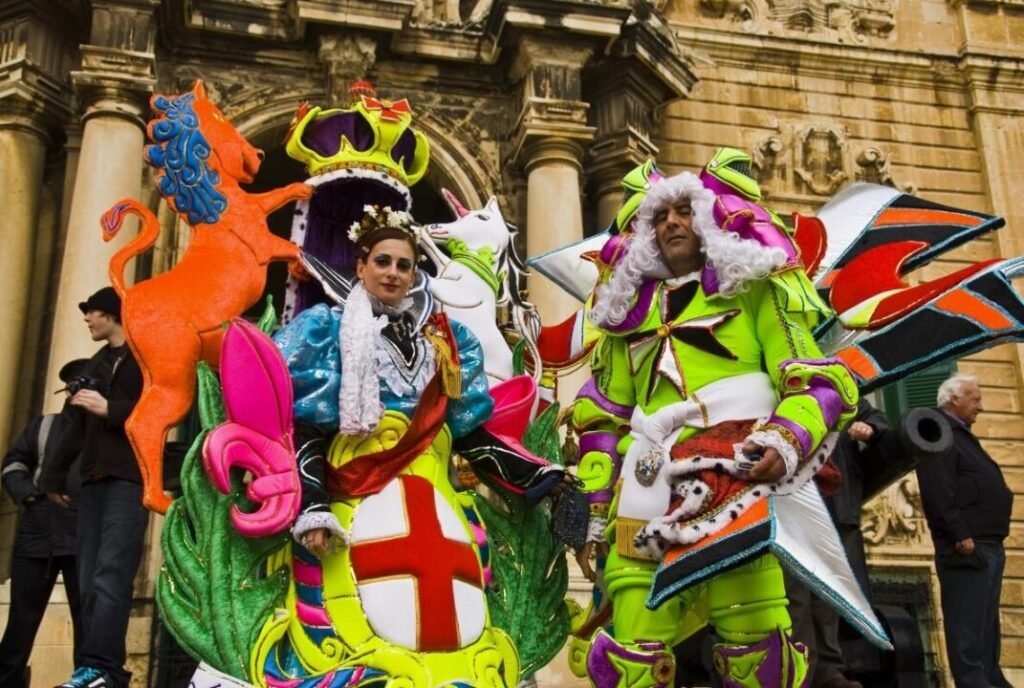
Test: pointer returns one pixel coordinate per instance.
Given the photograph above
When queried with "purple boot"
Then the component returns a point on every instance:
(611, 665)
(776, 662)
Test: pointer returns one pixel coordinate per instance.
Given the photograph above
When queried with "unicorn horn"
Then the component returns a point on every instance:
(454, 203)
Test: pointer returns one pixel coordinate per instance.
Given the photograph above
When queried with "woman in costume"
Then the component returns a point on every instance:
(390, 562)
(708, 362)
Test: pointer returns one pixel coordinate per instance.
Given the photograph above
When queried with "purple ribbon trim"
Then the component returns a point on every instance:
(590, 391)
(804, 437)
(638, 313)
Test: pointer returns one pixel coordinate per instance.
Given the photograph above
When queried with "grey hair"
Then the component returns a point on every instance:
(953, 387)
(737, 262)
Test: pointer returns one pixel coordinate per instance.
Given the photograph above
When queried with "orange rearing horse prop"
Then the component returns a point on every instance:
(175, 319)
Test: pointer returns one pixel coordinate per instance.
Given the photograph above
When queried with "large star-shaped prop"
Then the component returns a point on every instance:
(697, 331)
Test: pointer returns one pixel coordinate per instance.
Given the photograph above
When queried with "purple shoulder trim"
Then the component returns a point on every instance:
(638, 313)
(709, 281)
(590, 391)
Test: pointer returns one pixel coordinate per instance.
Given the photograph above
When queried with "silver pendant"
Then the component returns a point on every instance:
(647, 467)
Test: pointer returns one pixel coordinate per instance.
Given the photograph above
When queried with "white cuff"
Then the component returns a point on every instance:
(313, 520)
(775, 440)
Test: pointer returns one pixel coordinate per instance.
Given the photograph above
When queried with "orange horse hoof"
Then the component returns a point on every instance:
(159, 503)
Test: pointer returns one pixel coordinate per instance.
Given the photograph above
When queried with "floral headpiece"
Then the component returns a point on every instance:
(377, 217)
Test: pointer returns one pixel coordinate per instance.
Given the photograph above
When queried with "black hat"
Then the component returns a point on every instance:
(72, 369)
(105, 300)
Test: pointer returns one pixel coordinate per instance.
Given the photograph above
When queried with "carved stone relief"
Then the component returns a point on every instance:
(875, 166)
(812, 159)
(347, 58)
(820, 156)
(896, 517)
(842, 20)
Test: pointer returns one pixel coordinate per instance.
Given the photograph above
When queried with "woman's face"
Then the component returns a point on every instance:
(387, 273)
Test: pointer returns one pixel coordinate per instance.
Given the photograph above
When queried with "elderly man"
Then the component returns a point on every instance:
(967, 504)
(706, 358)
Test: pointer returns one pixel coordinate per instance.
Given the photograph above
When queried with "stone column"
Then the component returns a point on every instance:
(34, 104)
(109, 169)
(553, 215)
(625, 88)
(113, 88)
(22, 155)
(549, 145)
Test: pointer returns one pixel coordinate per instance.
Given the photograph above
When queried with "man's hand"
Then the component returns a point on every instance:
(591, 550)
(770, 468)
(92, 401)
(60, 499)
(964, 546)
(859, 431)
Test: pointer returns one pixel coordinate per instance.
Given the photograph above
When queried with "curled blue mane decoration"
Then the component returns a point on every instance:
(182, 151)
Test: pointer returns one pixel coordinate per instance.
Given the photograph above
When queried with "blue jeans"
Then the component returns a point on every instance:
(111, 533)
(970, 607)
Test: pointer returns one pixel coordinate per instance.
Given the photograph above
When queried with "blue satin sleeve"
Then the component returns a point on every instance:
(475, 405)
(309, 345)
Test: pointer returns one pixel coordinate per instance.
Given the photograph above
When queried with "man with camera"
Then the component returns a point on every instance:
(45, 542)
(112, 520)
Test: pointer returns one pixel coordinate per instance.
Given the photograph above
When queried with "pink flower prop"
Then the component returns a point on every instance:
(257, 436)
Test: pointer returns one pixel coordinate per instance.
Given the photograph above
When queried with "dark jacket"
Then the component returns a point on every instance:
(45, 529)
(845, 504)
(964, 495)
(101, 442)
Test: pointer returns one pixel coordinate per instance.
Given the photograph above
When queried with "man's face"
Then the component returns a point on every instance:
(967, 403)
(101, 325)
(679, 244)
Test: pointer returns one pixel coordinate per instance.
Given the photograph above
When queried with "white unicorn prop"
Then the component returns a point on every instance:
(480, 273)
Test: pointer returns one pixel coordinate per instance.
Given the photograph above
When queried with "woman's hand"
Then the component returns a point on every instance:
(591, 550)
(770, 468)
(317, 541)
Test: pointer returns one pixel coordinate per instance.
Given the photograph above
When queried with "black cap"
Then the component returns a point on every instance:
(105, 300)
(72, 369)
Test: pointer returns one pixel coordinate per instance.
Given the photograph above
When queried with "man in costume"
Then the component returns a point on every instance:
(708, 361)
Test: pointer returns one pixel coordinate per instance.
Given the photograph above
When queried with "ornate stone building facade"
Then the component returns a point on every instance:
(545, 103)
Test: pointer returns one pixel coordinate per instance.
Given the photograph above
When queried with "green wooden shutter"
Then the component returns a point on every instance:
(917, 390)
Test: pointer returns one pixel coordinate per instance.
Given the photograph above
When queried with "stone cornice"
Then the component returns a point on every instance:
(458, 44)
(115, 82)
(268, 19)
(378, 15)
(994, 83)
(827, 60)
(578, 17)
(33, 82)
(997, 3)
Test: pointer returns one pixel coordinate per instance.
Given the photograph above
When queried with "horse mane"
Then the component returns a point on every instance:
(181, 154)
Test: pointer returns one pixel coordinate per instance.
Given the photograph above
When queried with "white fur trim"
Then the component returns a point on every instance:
(596, 528)
(676, 529)
(359, 398)
(313, 520)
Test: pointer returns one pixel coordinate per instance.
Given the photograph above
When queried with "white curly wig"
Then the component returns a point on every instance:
(736, 261)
